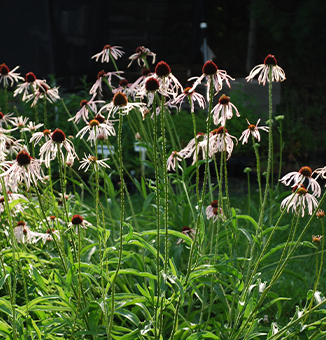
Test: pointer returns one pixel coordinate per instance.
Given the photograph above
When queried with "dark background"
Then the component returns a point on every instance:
(60, 36)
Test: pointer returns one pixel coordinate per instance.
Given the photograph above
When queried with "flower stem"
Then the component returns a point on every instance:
(200, 207)
(258, 171)
(157, 192)
(121, 226)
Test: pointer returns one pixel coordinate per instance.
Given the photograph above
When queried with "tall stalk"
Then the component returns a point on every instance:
(200, 207)
(122, 185)
(14, 266)
(157, 196)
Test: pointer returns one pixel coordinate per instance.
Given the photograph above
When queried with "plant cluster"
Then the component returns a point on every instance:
(84, 258)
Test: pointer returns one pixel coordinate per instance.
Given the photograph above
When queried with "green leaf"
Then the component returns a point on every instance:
(39, 279)
(248, 218)
(203, 335)
(37, 330)
(69, 277)
(131, 232)
(129, 315)
(3, 280)
(148, 201)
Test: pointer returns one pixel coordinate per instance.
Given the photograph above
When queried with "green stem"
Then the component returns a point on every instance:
(14, 266)
(200, 207)
(258, 171)
(121, 226)
(157, 195)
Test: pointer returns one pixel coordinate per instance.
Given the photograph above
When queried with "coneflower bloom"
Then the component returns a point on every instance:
(4, 141)
(298, 201)
(14, 146)
(124, 87)
(86, 106)
(89, 160)
(120, 104)
(37, 136)
(11, 198)
(97, 87)
(141, 55)
(139, 83)
(23, 234)
(253, 130)
(212, 73)
(149, 88)
(320, 172)
(6, 75)
(169, 84)
(97, 126)
(190, 149)
(108, 50)
(174, 158)
(270, 63)
(78, 220)
(52, 220)
(49, 150)
(220, 141)
(43, 91)
(224, 110)
(316, 239)
(298, 177)
(215, 212)
(48, 236)
(5, 118)
(192, 96)
(32, 127)
(23, 169)
(30, 82)
(187, 231)
(19, 122)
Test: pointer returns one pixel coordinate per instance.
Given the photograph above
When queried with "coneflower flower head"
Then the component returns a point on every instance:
(270, 64)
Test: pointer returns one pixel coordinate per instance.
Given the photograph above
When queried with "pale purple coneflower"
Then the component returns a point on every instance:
(224, 110)
(169, 84)
(174, 158)
(78, 220)
(97, 87)
(252, 130)
(141, 55)
(19, 122)
(32, 127)
(270, 63)
(213, 211)
(219, 141)
(86, 106)
(96, 127)
(192, 96)
(37, 136)
(298, 177)
(140, 82)
(212, 73)
(6, 75)
(49, 150)
(298, 200)
(23, 169)
(108, 50)
(121, 105)
(186, 231)
(12, 197)
(31, 82)
(89, 160)
(5, 118)
(43, 91)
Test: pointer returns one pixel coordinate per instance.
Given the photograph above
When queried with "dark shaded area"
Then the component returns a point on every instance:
(60, 36)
